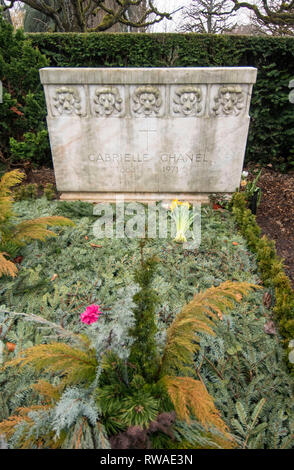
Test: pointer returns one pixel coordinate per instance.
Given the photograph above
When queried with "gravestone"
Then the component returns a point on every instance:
(147, 134)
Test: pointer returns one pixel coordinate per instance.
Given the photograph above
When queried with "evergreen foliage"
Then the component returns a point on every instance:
(7, 268)
(123, 398)
(238, 364)
(143, 350)
(199, 315)
(75, 365)
(23, 132)
(13, 236)
(243, 370)
(25, 192)
(270, 267)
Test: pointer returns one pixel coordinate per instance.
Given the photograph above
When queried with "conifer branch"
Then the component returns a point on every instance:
(190, 397)
(15, 235)
(75, 365)
(7, 268)
(60, 330)
(200, 315)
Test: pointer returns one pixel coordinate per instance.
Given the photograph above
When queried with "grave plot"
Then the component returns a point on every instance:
(105, 328)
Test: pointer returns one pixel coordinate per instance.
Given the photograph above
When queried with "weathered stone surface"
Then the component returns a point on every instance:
(147, 133)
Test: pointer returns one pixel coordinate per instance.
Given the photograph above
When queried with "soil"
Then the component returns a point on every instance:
(275, 214)
(41, 176)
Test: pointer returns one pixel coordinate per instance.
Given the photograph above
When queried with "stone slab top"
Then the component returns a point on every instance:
(123, 76)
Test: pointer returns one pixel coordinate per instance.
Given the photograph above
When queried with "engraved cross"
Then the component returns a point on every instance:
(147, 131)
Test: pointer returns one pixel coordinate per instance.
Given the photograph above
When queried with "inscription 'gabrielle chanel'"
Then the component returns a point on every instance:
(142, 158)
(120, 157)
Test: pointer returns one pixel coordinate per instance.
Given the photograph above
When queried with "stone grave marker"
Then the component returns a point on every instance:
(147, 133)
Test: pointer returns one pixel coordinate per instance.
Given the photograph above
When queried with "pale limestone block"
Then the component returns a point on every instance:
(148, 133)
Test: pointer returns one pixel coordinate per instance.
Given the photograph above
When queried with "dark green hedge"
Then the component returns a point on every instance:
(271, 268)
(271, 138)
(23, 134)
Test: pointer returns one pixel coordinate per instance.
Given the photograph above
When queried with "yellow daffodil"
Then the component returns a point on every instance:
(174, 204)
(183, 218)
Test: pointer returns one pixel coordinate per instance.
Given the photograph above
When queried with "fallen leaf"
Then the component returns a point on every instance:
(10, 347)
(267, 300)
(55, 276)
(270, 328)
(95, 246)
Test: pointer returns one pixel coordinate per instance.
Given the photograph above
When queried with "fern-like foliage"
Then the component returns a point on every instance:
(7, 268)
(239, 364)
(84, 435)
(36, 229)
(8, 427)
(29, 428)
(190, 397)
(75, 209)
(193, 436)
(12, 235)
(120, 393)
(75, 365)
(51, 393)
(199, 315)
(7, 181)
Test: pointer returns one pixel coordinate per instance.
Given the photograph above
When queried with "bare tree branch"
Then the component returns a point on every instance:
(277, 12)
(208, 16)
(97, 15)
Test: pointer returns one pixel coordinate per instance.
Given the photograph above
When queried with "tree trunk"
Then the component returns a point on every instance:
(94, 21)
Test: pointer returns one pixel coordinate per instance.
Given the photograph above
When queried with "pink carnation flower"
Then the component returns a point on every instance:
(91, 314)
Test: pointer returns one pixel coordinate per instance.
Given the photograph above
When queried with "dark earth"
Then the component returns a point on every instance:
(275, 214)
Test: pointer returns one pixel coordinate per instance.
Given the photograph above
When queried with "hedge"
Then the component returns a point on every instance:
(271, 269)
(23, 134)
(271, 136)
